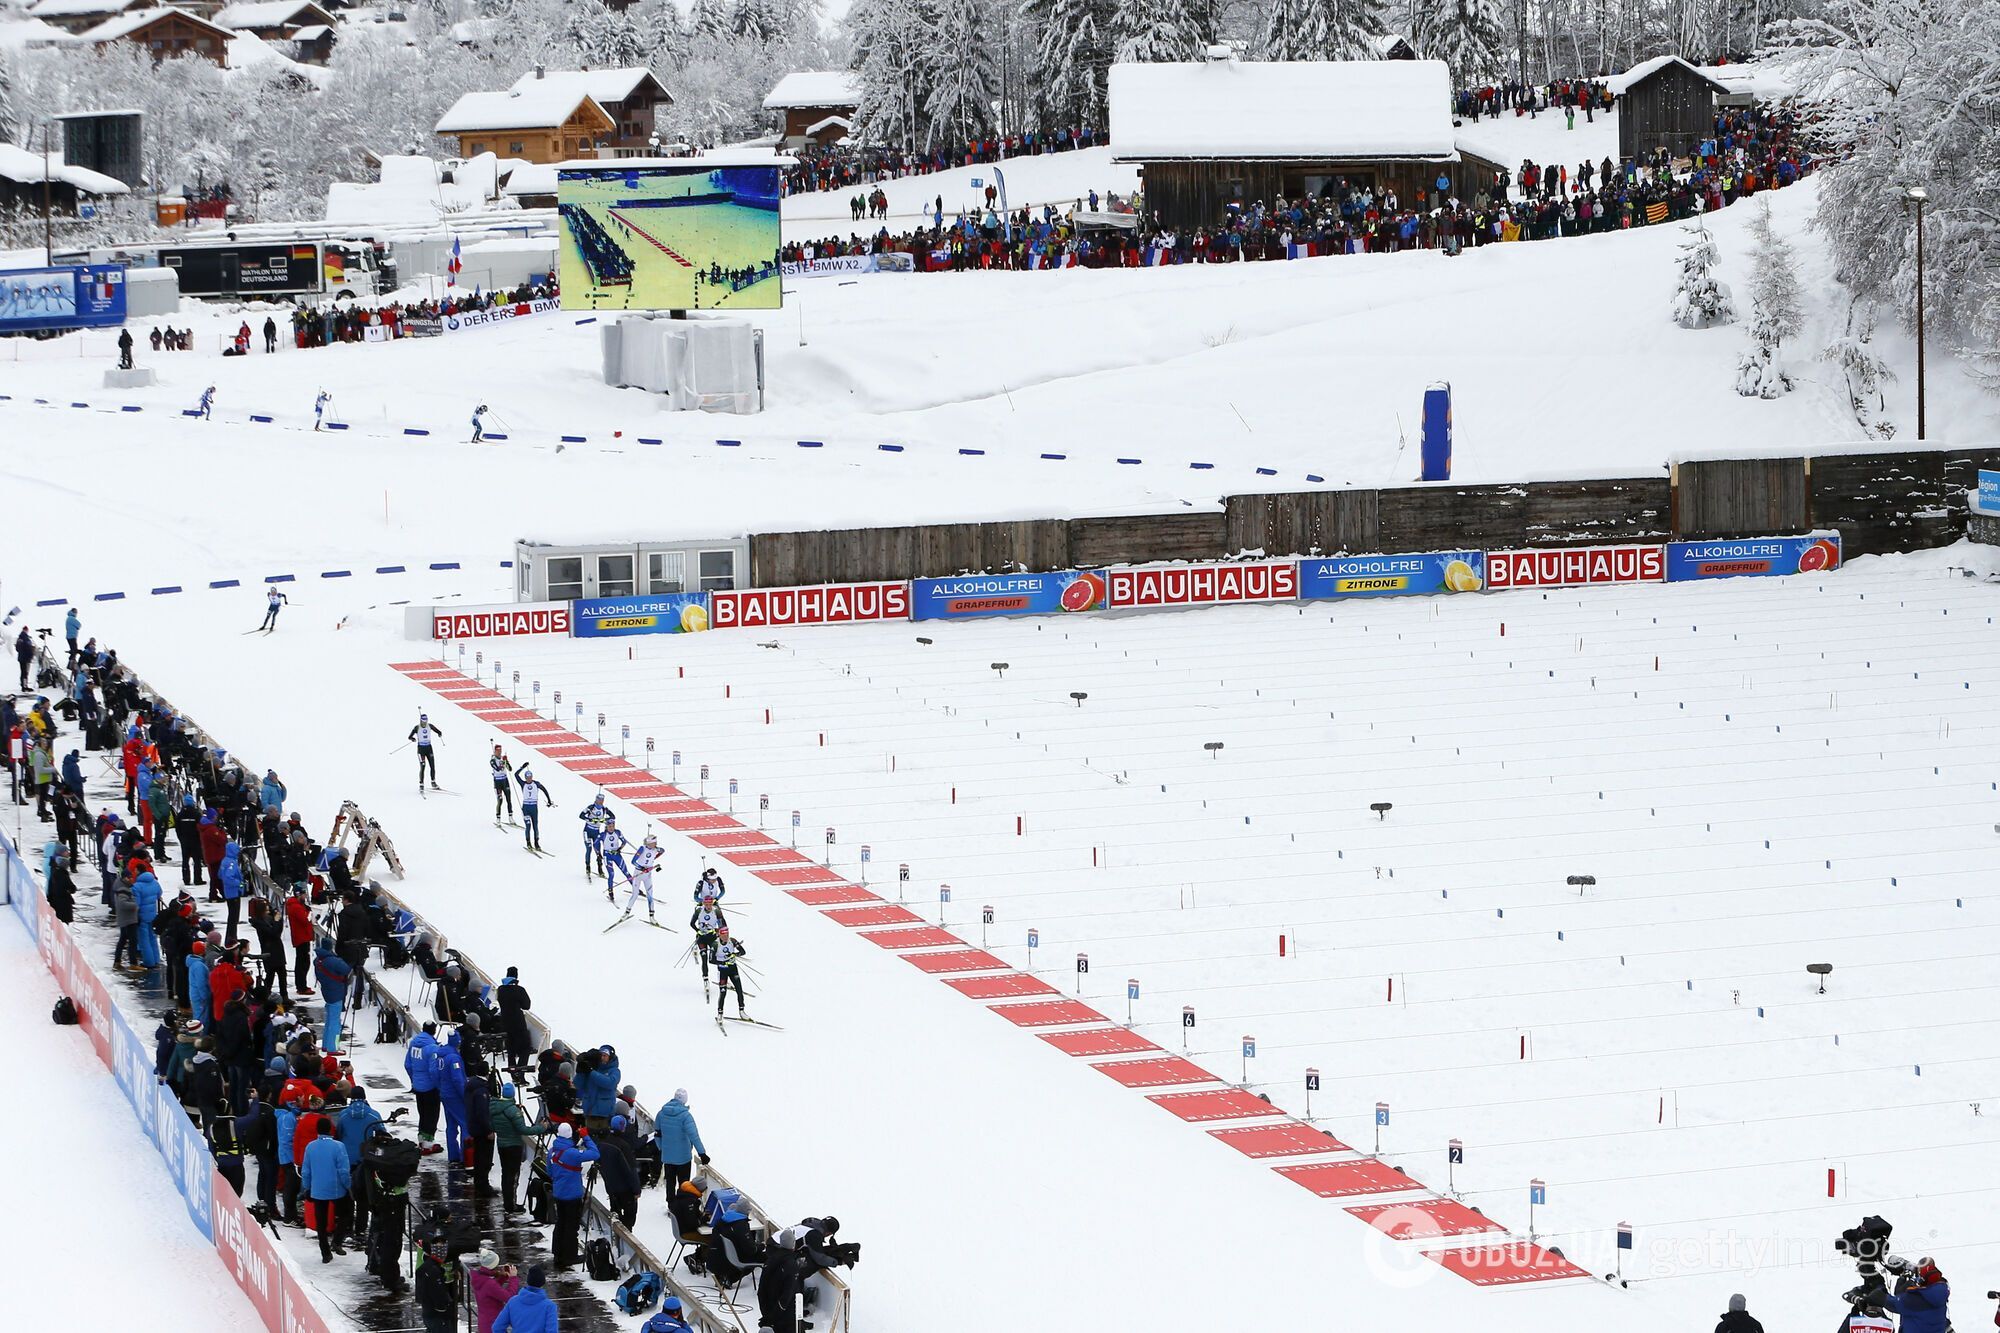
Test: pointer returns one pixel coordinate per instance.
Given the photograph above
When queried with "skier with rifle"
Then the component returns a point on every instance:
(503, 787)
(724, 953)
(533, 796)
(705, 923)
(425, 734)
(611, 845)
(594, 818)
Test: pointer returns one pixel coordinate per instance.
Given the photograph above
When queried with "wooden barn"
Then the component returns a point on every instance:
(1664, 103)
(817, 105)
(1208, 134)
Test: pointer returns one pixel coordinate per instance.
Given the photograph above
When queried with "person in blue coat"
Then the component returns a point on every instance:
(1920, 1298)
(420, 1066)
(323, 1177)
(569, 1158)
(229, 872)
(451, 1097)
(356, 1121)
(668, 1319)
(273, 792)
(72, 772)
(146, 892)
(197, 980)
(529, 1310)
(333, 973)
(597, 1080)
(72, 626)
(679, 1140)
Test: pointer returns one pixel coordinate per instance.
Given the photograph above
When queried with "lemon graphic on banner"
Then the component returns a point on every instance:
(1458, 577)
(694, 618)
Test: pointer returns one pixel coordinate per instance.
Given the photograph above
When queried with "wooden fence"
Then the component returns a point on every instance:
(1879, 502)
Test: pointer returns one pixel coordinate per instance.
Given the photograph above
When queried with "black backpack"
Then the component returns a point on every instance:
(598, 1262)
(394, 955)
(65, 1012)
(541, 1204)
(388, 1025)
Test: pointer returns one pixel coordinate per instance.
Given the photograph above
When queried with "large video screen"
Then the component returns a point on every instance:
(81, 297)
(690, 235)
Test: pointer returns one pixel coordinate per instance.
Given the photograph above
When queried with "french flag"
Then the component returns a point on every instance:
(451, 269)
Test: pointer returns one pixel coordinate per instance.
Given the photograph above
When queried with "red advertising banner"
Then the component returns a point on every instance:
(499, 622)
(1576, 566)
(78, 981)
(1201, 585)
(825, 604)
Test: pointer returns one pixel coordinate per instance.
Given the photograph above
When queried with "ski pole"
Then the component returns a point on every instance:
(404, 746)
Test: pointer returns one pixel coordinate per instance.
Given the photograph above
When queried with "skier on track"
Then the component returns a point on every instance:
(533, 796)
(611, 845)
(425, 734)
(479, 423)
(708, 890)
(319, 407)
(207, 402)
(594, 818)
(724, 953)
(641, 878)
(273, 599)
(705, 923)
(503, 786)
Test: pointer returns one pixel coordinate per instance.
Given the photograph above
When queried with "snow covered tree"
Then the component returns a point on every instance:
(1072, 55)
(1320, 29)
(1465, 34)
(892, 53)
(1160, 30)
(1775, 311)
(1864, 371)
(964, 76)
(1702, 300)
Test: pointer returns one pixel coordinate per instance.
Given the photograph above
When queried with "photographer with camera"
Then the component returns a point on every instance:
(1920, 1296)
(1921, 1292)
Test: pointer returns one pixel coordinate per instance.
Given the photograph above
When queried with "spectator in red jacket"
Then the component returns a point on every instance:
(298, 919)
(214, 842)
(226, 981)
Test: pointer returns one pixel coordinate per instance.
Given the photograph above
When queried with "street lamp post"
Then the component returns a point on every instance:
(1917, 195)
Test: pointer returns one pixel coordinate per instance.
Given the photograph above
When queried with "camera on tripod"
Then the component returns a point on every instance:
(1868, 1246)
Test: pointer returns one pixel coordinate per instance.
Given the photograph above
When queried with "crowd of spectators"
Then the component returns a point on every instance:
(1566, 96)
(844, 166)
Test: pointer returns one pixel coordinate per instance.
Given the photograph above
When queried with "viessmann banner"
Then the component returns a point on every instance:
(661, 613)
(1762, 557)
(1392, 575)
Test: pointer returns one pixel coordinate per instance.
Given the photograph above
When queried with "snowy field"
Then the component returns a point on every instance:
(1849, 720)
(89, 1197)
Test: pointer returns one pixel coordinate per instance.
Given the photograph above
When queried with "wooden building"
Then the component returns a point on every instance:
(1664, 103)
(631, 97)
(817, 106)
(1213, 133)
(164, 31)
(79, 16)
(22, 183)
(541, 125)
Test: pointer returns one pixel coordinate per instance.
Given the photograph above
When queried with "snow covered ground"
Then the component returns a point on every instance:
(89, 1197)
(1846, 719)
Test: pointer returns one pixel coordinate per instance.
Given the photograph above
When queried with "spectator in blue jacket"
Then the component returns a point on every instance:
(1921, 1298)
(530, 1310)
(597, 1081)
(356, 1121)
(229, 873)
(323, 1176)
(146, 892)
(197, 980)
(333, 974)
(72, 772)
(569, 1158)
(451, 1098)
(272, 793)
(420, 1066)
(680, 1141)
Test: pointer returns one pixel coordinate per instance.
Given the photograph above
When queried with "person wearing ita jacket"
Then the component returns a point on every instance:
(451, 1098)
(146, 893)
(530, 1310)
(420, 1066)
(333, 974)
(272, 793)
(197, 981)
(679, 1139)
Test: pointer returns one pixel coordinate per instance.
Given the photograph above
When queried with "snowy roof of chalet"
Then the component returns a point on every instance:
(131, 21)
(247, 51)
(1646, 69)
(828, 123)
(606, 85)
(311, 32)
(74, 8)
(815, 87)
(25, 168)
(19, 33)
(531, 178)
(537, 108)
(1337, 110)
(270, 13)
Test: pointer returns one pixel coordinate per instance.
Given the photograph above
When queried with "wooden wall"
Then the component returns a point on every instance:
(1674, 109)
(1879, 502)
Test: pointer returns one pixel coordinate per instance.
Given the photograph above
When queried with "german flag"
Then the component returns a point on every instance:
(303, 252)
(1656, 213)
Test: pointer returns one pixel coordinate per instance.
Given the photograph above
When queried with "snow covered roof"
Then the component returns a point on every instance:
(1646, 69)
(829, 123)
(73, 8)
(271, 14)
(18, 34)
(25, 168)
(247, 51)
(537, 108)
(606, 85)
(123, 25)
(815, 87)
(531, 178)
(1346, 109)
(311, 32)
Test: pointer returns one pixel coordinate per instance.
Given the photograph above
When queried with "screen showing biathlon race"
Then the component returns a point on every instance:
(679, 236)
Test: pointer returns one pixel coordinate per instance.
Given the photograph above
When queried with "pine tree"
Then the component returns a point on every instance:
(1775, 311)
(892, 55)
(1864, 371)
(1160, 30)
(1465, 34)
(1702, 299)
(964, 76)
(1073, 52)
(1320, 29)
